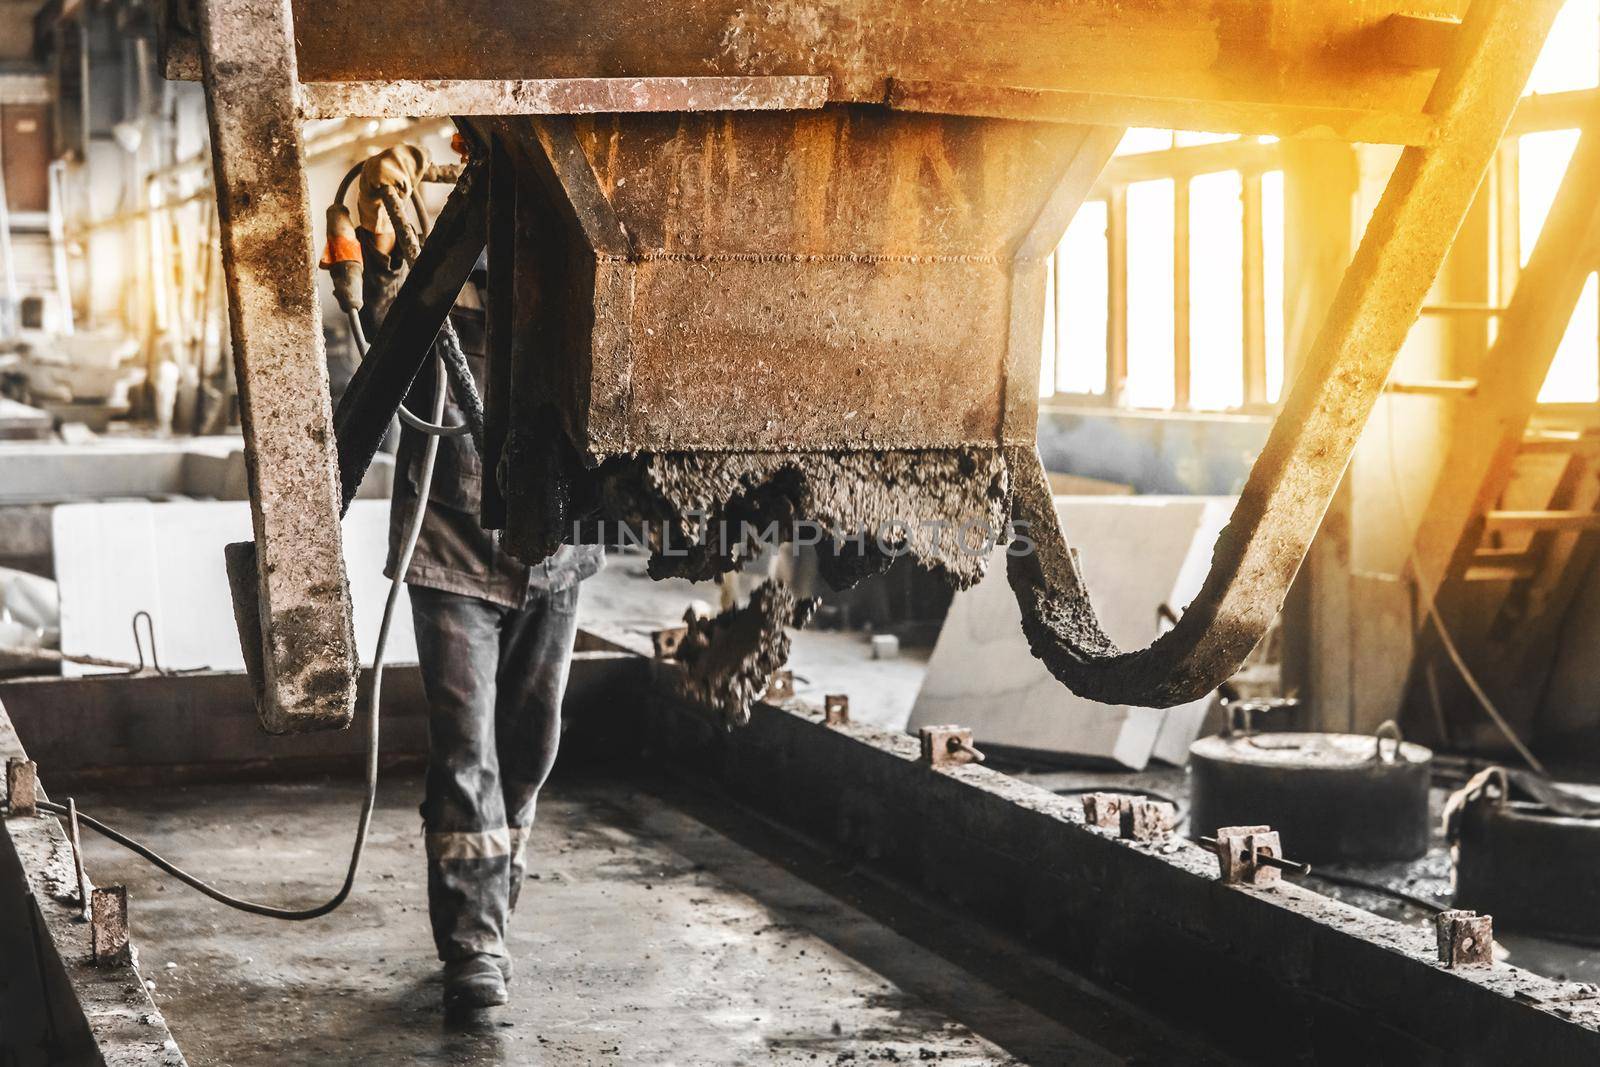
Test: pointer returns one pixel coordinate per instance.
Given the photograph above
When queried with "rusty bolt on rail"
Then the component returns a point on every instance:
(22, 787)
(948, 746)
(668, 641)
(1465, 938)
(780, 687)
(1133, 817)
(836, 709)
(1104, 809)
(1251, 855)
(108, 925)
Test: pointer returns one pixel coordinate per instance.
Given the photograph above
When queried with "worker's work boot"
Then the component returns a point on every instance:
(474, 982)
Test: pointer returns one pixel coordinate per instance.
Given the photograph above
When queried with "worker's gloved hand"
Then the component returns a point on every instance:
(401, 167)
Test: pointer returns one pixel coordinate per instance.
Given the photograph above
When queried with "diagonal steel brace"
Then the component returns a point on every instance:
(1311, 442)
(420, 309)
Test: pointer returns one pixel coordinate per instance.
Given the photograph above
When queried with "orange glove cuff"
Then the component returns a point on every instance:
(340, 248)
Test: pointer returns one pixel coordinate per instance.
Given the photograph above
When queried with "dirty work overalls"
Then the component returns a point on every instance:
(494, 640)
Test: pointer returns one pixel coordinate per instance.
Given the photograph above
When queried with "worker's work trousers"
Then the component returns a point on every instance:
(494, 678)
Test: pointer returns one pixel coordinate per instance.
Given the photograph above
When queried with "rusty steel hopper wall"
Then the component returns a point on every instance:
(846, 278)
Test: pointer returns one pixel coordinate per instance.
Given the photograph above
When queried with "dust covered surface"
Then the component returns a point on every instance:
(946, 508)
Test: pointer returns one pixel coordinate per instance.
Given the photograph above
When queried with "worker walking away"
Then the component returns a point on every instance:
(494, 641)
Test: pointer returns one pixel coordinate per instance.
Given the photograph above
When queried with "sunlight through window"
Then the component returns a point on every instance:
(1542, 159)
(1081, 302)
(1150, 284)
(1272, 278)
(1570, 58)
(1216, 291)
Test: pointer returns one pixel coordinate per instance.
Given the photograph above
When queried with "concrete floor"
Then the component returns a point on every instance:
(646, 936)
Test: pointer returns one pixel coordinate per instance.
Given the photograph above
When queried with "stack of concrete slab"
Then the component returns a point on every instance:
(113, 560)
(1137, 554)
(132, 467)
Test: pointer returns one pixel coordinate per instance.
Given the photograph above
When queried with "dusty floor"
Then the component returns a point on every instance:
(646, 936)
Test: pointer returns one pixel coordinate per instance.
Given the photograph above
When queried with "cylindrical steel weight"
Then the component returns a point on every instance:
(1534, 871)
(1331, 797)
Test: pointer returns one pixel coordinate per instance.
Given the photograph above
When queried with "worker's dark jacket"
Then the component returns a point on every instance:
(456, 554)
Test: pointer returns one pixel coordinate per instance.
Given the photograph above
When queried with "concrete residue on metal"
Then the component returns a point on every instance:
(559, 96)
(943, 507)
(731, 657)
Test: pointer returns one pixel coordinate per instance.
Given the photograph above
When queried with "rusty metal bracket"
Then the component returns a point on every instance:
(1466, 939)
(667, 641)
(1146, 819)
(1251, 855)
(1104, 810)
(1314, 435)
(108, 925)
(780, 687)
(948, 746)
(836, 709)
(1133, 817)
(22, 787)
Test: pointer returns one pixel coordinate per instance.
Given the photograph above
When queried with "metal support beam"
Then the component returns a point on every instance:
(409, 328)
(1294, 478)
(308, 642)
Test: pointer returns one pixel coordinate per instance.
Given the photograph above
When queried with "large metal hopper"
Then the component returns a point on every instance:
(780, 261)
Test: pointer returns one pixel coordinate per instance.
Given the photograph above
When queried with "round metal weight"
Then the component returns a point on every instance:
(1331, 797)
(1534, 871)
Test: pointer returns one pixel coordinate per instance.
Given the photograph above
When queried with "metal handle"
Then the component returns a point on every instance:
(1237, 718)
(1391, 730)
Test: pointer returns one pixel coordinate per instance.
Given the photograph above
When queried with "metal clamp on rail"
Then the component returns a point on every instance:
(1465, 938)
(108, 926)
(668, 641)
(948, 746)
(1133, 817)
(780, 687)
(1251, 855)
(22, 787)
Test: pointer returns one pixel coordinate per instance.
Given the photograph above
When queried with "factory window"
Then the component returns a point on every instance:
(1167, 290)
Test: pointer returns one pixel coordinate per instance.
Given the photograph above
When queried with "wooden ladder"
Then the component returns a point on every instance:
(1509, 529)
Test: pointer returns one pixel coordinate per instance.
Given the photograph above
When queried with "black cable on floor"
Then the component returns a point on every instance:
(1350, 881)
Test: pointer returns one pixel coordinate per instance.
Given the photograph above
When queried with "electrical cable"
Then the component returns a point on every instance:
(1432, 607)
(1351, 882)
(370, 795)
(458, 429)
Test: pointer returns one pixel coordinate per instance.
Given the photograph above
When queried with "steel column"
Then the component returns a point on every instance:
(307, 639)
